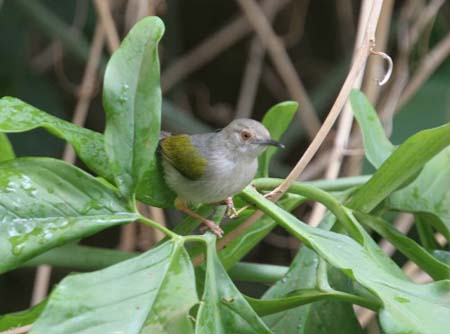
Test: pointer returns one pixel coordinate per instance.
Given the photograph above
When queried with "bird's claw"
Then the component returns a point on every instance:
(231, 210)
(213, 227)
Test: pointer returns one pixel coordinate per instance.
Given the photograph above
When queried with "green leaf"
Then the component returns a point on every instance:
(426, 261)
(153, 189)
(18, 116)
(149, 294)
(132, 101)
(6, 150)
(223, 308)
(400, 167)
(429, 192)
(45, 203)
(335, 316)
(407, 307)
(276, 120)
(376, 145)
(22, 318)
(245, 242)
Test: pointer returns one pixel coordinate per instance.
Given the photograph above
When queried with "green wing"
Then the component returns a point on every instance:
(183, 156)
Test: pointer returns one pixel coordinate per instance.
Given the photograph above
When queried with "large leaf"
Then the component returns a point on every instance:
(407, 307)
(276, 120)
(315, 318)
(18, 116)
(429, 192)
(244, 243)
(223, 309)
(132, 101)
(400, 167)
(377, 146)
(424, 259)
(6, 150)
(45, 203)
(149, 294)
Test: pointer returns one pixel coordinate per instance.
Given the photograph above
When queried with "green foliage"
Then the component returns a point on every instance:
(6, 150)
(376, 145)
(45, 203)
(276, 120)
(132, 101)
(134, 296)
(224, 309)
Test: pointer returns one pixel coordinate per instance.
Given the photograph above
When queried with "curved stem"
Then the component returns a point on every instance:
(155, 225)
(315, 194)
(306, 296)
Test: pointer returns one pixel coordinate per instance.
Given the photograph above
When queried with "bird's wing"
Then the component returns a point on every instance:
(179, 151)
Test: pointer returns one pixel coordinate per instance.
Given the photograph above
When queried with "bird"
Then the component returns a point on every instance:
(212, 167)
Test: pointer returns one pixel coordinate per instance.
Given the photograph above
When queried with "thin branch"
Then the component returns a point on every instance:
(250, 82)
(104, 11)
(346, 119)
(211, 47)
(427, 67)
(283, 64)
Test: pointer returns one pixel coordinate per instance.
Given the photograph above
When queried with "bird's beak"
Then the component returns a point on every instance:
(271, 142)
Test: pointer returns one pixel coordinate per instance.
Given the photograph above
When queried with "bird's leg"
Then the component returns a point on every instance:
(236, 213)
(231, 210)
(181, 205)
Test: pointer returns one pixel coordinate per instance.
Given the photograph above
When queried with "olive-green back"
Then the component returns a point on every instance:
(183, 156)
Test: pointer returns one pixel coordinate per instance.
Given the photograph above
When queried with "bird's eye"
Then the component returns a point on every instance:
(245, 135)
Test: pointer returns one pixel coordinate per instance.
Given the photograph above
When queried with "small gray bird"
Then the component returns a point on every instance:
(212, 167)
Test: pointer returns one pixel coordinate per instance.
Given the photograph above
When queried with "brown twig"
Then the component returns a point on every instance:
(252, 74)
(250, 82)
(428, 65)
(104, 11)
(283, 64)
(346, 118)
(43, 273)
(211, 47)
(357, 66)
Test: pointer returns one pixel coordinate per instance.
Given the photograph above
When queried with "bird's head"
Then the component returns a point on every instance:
(248, 137)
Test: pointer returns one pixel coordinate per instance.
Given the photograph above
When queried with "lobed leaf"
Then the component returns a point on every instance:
(148, 294)
(45, 203)
(132, 101)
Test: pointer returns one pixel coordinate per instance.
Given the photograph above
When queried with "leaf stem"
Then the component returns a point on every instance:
(157, 226)
(315, 194)
(306, 296)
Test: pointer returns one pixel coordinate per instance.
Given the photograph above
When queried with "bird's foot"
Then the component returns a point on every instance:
(213, 227)
(231, 210)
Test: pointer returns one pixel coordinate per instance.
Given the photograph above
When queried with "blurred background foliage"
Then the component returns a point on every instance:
(45, 46)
